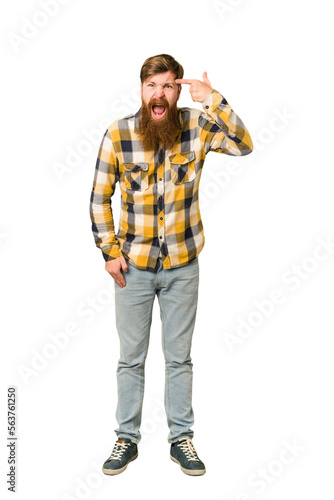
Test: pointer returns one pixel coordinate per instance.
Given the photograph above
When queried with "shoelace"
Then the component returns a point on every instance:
(189, 450)
(118, 451)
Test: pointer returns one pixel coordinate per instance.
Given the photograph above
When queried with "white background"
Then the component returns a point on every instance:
(63, 83)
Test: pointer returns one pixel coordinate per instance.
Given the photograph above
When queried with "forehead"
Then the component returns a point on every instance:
(161, 78)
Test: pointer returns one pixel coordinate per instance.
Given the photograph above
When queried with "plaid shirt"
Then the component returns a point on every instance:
(160, 213)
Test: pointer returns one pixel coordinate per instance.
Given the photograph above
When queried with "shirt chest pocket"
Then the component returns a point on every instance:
(183, 167)
(136, 176)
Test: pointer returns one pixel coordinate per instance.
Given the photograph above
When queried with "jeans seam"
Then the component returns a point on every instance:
(142, 373)
(167, 373)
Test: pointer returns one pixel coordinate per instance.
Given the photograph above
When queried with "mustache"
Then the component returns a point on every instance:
(156, 102)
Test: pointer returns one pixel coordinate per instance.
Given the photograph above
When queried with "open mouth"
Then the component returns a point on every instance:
(158, 111)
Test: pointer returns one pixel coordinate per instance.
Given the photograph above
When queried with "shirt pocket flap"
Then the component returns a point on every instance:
(135, 167)
(182, 158)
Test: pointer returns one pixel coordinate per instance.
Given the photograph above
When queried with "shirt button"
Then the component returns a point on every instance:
(161, 218)
(207, 107)
(160, 179)
(160, 237)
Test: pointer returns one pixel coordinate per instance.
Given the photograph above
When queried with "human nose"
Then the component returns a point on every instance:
(159, 91)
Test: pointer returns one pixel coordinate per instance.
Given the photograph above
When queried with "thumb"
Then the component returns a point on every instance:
(206, 79)
(124, 265)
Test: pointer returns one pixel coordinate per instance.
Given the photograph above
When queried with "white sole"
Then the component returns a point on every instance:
(189, 471)
(111, 472)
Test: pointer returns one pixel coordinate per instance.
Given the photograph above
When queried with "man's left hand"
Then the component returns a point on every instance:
(199, 90)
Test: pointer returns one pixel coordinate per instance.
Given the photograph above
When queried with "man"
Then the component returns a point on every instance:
(157, 155)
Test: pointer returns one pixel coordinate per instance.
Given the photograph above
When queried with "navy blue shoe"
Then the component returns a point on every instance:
(183, 453)
(123, 453)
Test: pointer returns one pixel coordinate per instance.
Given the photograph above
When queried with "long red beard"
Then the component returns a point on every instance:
(156, 134)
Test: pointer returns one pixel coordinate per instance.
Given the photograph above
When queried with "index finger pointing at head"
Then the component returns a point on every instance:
(180, 80)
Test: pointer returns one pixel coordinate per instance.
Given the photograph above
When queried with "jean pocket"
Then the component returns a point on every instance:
(183, 167)
(136, 176)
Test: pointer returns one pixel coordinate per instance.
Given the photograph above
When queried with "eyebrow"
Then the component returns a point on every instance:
(167, 83)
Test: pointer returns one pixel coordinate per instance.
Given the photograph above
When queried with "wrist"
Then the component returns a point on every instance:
(206, 98)
(207, 101)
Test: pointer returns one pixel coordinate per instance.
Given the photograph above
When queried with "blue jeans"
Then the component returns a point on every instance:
(177, 291)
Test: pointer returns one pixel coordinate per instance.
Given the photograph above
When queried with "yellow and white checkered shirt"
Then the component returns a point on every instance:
(160, 213)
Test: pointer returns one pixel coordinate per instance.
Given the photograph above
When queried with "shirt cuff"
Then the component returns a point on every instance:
(110, 253)
(213, 100)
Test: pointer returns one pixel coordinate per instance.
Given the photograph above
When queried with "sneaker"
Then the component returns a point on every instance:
(123, 453)
(183, 453)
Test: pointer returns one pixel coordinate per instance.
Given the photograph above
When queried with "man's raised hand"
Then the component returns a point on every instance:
(199, 91)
